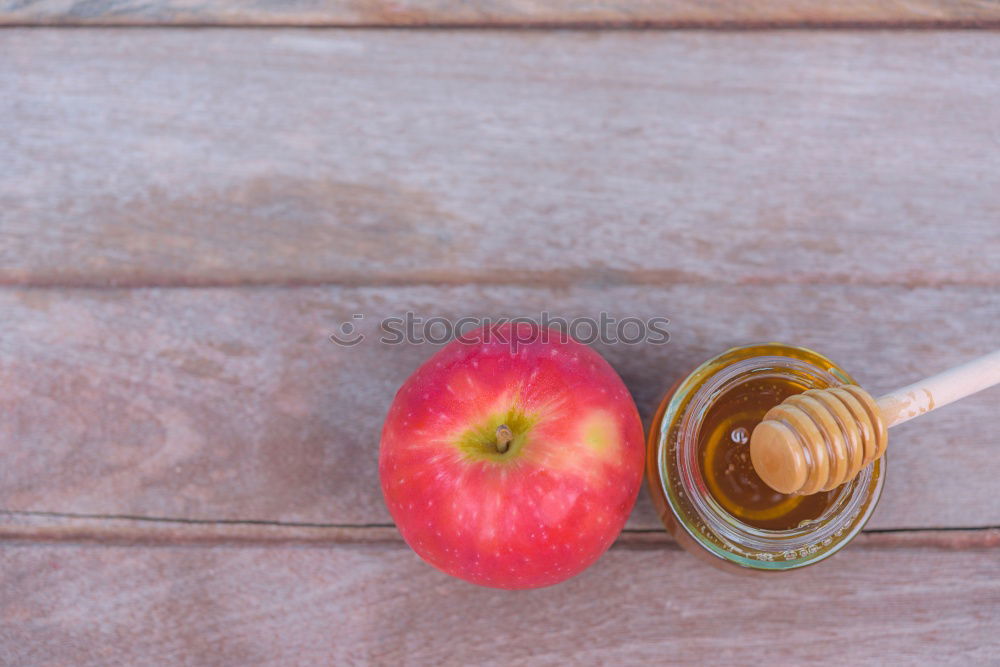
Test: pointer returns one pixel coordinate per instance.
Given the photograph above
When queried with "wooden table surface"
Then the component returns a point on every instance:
(188, 212)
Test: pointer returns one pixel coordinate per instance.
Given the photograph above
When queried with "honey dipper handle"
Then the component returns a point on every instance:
(930, 393)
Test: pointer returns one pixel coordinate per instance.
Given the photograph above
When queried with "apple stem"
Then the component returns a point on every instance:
(504, 436)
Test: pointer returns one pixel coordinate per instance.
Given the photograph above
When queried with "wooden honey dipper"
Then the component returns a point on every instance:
(821, 438)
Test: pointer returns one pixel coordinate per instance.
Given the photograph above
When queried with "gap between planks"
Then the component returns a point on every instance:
(27, 527)
(641, 25)
(591, 278)
(476, 14)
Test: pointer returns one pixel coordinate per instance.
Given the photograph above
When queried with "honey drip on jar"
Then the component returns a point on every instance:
(724, 457)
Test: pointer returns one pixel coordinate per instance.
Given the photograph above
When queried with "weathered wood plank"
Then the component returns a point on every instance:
(82, 605)
(233, 404)
(175, 157)
(503, 12)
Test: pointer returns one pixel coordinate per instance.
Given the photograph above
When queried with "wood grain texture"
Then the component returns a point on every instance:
(83, 605)
(225, 157)
(233, 404)
(189, 468)
(673, 13)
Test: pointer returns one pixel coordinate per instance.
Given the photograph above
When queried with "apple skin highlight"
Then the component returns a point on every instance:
(512, 466)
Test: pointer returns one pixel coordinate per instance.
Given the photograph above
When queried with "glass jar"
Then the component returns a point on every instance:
(682, 498)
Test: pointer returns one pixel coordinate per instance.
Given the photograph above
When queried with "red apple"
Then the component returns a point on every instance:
(512, 457)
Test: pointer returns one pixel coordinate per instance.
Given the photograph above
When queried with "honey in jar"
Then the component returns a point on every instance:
(724, 456)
